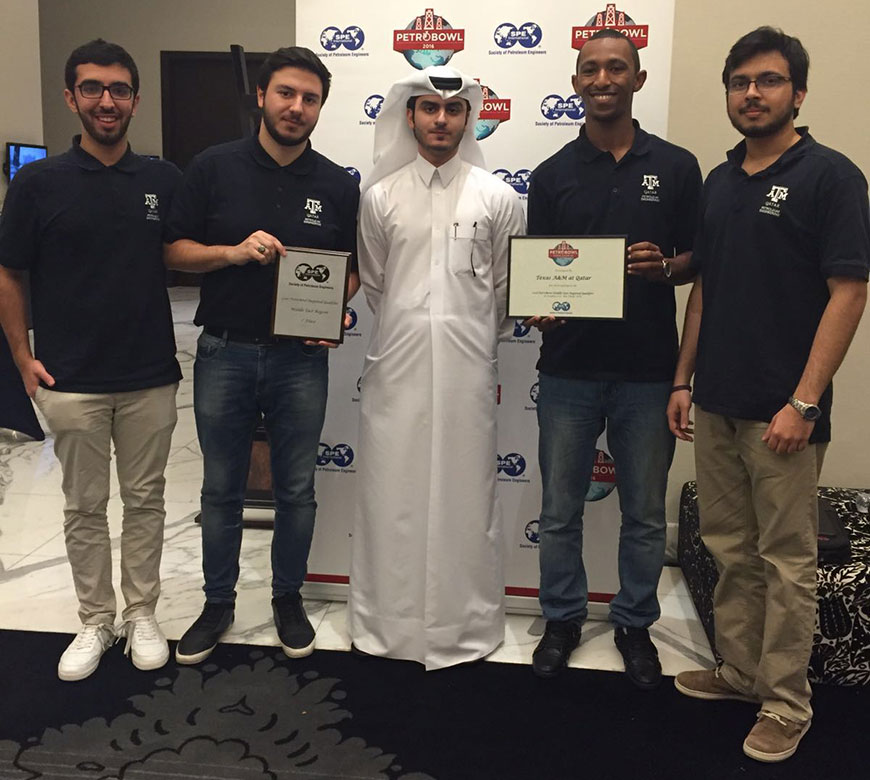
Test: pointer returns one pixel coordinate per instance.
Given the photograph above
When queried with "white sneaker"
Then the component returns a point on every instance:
(83, 655)
(146, 644)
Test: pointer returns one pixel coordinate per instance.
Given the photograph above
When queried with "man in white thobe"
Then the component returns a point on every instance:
(427, 581)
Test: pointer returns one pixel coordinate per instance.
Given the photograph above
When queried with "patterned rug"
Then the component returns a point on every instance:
(249, 713)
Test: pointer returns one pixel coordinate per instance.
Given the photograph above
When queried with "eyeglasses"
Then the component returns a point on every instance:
(93, 90)
(766, 82)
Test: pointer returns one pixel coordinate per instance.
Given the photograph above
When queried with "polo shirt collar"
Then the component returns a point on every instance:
(738, 153)
(301, 166)
(446, 171)
(588, 151)
(129, 163)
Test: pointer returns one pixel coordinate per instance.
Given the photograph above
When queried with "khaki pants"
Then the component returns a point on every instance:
(140, 423)
(759, 519)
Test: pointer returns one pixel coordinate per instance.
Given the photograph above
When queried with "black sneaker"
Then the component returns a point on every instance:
(294, 628)
(640, 655)
(202, 637)
(555, 648)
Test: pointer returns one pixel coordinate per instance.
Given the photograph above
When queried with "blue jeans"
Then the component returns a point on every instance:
(571, 416)
(233, 383)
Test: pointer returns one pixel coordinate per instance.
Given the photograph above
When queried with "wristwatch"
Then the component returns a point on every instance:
(810, 412)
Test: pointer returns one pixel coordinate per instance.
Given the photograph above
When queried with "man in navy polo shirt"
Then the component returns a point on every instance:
(613, 179)
(783, 253)
(239, 205)
(87, 225)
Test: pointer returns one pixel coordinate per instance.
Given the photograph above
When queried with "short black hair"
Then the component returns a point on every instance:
(766, 39)
(609, 32)
(294, 57)
(100, 52)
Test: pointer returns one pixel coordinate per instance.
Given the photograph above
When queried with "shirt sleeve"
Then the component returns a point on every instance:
(540, 208)
(19, 224)
(510, 221)
(189, 210)
(845, 228)
(372, 247)
(688, 207)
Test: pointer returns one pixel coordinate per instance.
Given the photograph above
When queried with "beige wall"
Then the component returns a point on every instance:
(21, 115)
(144, 29)
(838, 113)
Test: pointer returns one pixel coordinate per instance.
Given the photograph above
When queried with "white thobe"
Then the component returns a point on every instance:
(427, 579)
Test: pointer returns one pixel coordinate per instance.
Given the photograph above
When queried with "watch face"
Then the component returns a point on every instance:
(812, 413)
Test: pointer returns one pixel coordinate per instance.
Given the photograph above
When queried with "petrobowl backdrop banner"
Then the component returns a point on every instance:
(523, 54)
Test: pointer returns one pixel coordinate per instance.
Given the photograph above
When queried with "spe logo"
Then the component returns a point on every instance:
(513, 464)
(534, 392)
(341, 455)
(520, 330)
(352, 38)
(304, 272)
(532, 531)
(353, 318)
(555, 107)
(561, 306)
(353, 172)
(519, 180)
(373, 105)
(528, 35)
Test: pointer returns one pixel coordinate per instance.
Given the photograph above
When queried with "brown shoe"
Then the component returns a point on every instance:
(708, 684)
(774, 738)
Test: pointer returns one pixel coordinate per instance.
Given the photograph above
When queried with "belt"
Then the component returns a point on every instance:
(239, 337)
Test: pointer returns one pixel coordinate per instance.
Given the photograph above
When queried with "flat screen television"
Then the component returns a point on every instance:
(18, 154)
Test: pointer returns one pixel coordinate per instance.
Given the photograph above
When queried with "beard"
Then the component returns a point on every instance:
(96, 131)
(284, 140)
(774, 123)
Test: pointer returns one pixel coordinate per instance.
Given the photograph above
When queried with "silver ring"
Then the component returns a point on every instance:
(261, 249)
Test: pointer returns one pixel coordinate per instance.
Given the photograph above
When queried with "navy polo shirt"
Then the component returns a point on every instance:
(91, 237)
(766, 246)
(230, 191)
(651, 194)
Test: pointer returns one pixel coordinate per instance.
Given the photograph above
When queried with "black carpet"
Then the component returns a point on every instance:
(249, 712)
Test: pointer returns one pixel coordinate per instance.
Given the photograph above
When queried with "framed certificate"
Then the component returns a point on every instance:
(568, 277)
(310, 294)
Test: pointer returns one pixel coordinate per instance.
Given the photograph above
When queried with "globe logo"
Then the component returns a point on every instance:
(519, 180)
(359, 384)
(532, 531)
(353, 172)
(492, 113)
(555, 107)
(341, 455)
(351, 38)
(373, 106)
(603, 478)
(304, 272)
(513, 464)
(534, 392)
(520, 330)
(528, 35)
(428, 40)
(353, 318)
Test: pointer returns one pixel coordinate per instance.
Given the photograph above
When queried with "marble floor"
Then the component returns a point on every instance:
(36, 586)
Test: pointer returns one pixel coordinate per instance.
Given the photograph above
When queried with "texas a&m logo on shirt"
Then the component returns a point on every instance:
(151, 204)
(772, 200)
(313, 208)
(650, 188)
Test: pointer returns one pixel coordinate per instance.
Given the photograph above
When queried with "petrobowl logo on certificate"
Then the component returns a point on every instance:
(428, 40)
(517, 39)
(337, 458)
(611, 17)
(563, 254)
(494, 111)
(603, 477)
